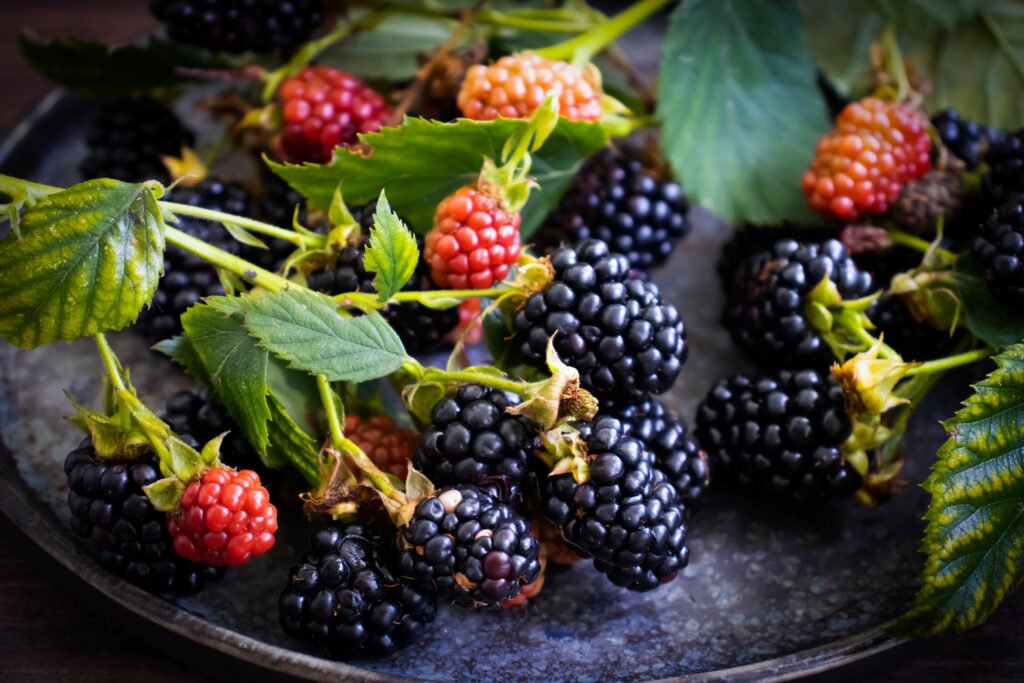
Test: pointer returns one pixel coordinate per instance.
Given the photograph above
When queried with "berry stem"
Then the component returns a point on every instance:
(110, 362)
(582, 48)
(330, 409)
(918, 244)
(299, 240)
(950, 362)
(892, 60)
(229, 262)
(431, 374)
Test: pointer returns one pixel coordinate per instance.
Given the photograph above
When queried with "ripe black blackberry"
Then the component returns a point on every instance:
(999, 250)
(421, 329)
(616, 199)
(676, 451)
(238, 26)
(110, 510)
(779, 436)
(195, 416)
(471, 439)
(277, 205)
(1005, 177)
(618, 332)
(912, 338)
(967, 140)
(346, 595)
(627, 516)
(127, 139)
(475, 550)
(765, 308)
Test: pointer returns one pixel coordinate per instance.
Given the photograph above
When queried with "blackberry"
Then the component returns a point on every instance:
(421, 329)
(277, 206)
(999, 250)
(110, 510)
(913, 339)
(474, 549)
(626, 516)
(127, 139)
(1005, 177)
(616, 199)
(676, 452)
(198, 418)
(779, 436)
(346, 595)
(471, 439)
(238, 26)
(749, 240)
(618, 332)
(765, 310)
(967, 140)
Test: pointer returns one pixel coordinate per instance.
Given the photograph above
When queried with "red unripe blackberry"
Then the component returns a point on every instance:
(323, 108)
(470, 328)
(779, 436)
(389, 446)
(347, 597)
(110, 510)
(225, 519)
(627, 515)
(472, 548)
(516, 85)
(240, 25)
(859, 168)
(474, 241)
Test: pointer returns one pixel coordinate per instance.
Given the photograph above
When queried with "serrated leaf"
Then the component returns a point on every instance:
(420, 162)
(89, 258)
(993, 322)
(392, 253)
(741, 113)
(290, 444)
(236, 368)
(305, 329)
(975, 537)
(389, 51)
(97, 70)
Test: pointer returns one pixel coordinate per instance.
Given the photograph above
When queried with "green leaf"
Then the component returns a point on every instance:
(291, 444)
(236, 368)
(916, 16)
(741, 113)
(994, 323)
(306, 330)
(975, 536)
(97, 70)
(88, 260)
(392, 253)
(421, 162)
(838, 36)
(182, 351)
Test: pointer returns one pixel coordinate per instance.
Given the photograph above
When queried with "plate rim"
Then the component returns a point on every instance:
(25, 514)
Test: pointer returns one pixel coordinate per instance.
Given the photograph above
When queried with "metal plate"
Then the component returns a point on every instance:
(768, 595)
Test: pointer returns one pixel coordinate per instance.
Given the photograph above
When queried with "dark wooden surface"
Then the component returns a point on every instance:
(47, 635)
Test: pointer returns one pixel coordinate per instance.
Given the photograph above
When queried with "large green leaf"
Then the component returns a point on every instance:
(87, 261)
(741, 113)
(392, 253)
(98, 70)
(305, 330)
(420, 162)
(975, 537)
(839, 36)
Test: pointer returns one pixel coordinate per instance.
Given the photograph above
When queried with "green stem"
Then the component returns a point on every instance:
(583, 47)
(894, 63)
(431, 374)
(950, 362)
(110, 362)
(331, 410)
(501, 20)
(441, 294)
(308, 241)
(229, 262)
(918, 244)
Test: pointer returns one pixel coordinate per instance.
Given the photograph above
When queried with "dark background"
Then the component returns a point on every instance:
(47, 635)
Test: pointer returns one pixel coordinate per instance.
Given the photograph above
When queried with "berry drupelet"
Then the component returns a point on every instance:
(1005, 177)
(346, 595)
(389, 446)
(779, 436)
(616, 199)
(626, 516)
(471, 439)
(324, 108)
(110, 510)
(474, 242)
(675, 450)
(999, 250)
(472, 548)
(859, 168)
(238, 26)
(128, 139)
(516, 85)
(616, 331)
(966, 139)
(766, 309)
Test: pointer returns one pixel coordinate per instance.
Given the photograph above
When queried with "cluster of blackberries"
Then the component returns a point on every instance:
(615, 198)
(967, 140)
(240, 25)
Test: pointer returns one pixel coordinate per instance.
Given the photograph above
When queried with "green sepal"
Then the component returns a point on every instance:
(113, 437)
(165, 494)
